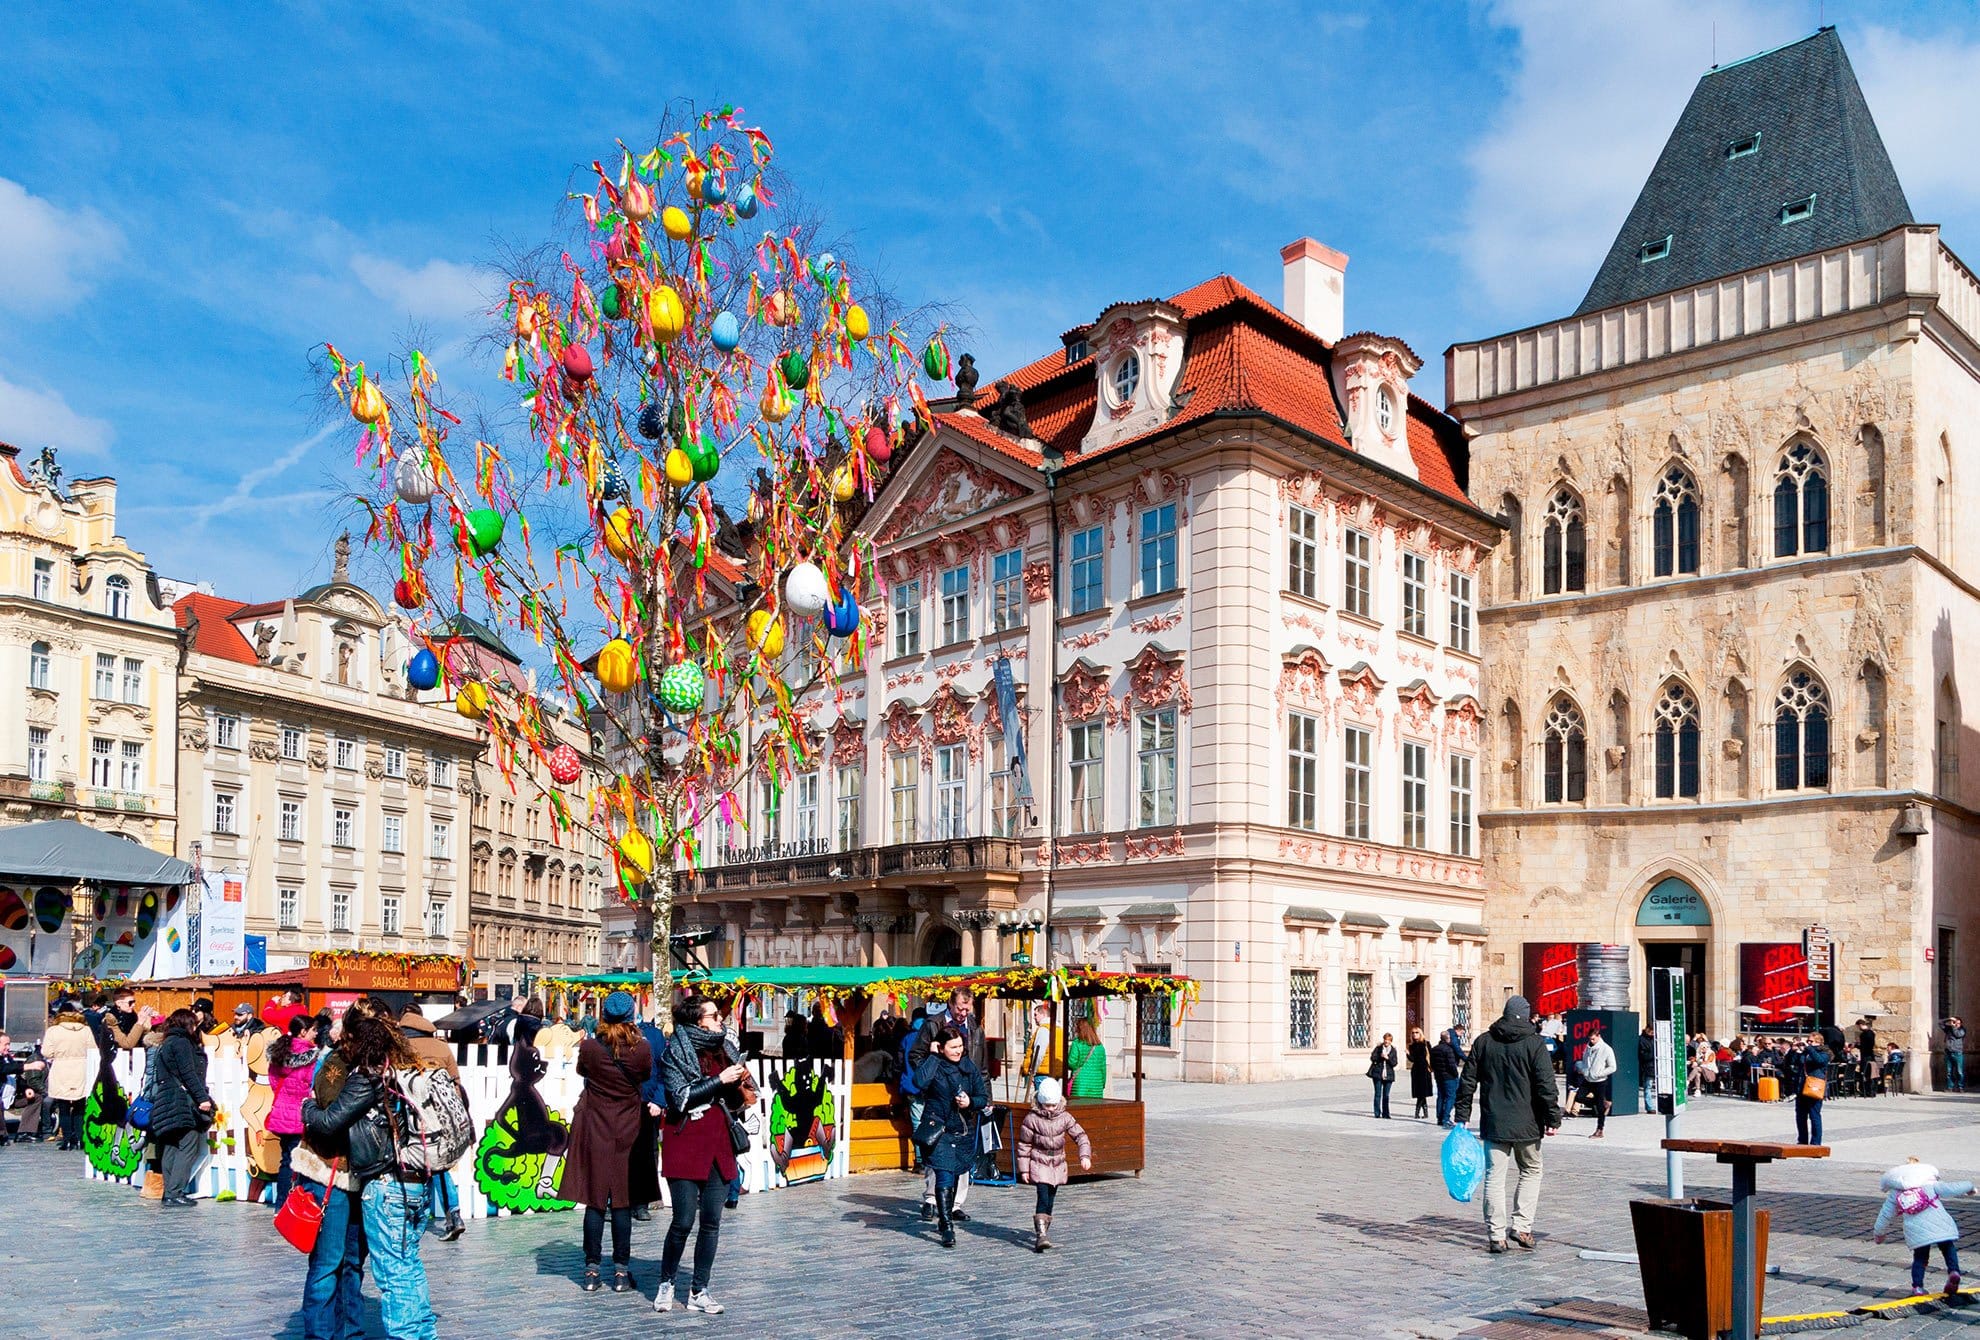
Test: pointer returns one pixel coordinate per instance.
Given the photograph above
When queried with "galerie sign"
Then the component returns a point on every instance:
(1672, 902)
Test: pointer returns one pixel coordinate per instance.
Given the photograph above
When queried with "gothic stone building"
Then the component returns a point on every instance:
(1728, 635)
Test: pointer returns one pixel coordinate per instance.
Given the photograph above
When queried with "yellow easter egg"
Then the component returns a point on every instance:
(858, 327)
(472, 700)
(843, 484)
(618, 669)
(368, 402)
(674, 222)
(619, 532)
(680, 470)
(664, 310)
(636, 853)
(766, 634)
(776, 402)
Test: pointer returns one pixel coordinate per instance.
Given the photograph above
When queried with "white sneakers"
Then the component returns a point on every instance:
(664, 1301)
(699, 1301)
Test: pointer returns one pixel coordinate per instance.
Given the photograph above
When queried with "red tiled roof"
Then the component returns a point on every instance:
(217, 635)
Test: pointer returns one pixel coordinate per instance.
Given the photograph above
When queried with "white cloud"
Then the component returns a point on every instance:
(32, 418)
(49, 256)
(1927, 103)
(445, 293)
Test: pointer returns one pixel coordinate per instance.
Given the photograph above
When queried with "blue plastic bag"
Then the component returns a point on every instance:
(1464, 1163)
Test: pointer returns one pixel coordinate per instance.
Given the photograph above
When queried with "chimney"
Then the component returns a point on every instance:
(1316, 287)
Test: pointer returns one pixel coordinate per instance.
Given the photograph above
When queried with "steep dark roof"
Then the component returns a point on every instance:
(477, 632)
(1723, 214)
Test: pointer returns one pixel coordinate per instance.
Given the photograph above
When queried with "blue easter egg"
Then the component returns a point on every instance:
(842, 616)
(711, 190)
(745, 201)
(423, 670)
(725, 331)
(611, 481)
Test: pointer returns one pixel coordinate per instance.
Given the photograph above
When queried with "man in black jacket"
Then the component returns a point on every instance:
(1446, 1064)
(1509, 1073)
(1646, 1068)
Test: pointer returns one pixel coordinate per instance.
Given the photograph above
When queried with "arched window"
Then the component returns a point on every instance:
(1942, 500)
(1801, 503)
(1674, 523)
(38, 671)
(1870, 738)
(1510, 562)
(1801, 734)
(117, 597)
(1945, 738)
(1677, 744)
(1564, 545)
(1566, 762)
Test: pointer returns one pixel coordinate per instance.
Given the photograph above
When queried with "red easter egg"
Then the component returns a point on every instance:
(878, 446)
(565, 765)
(407, 594)
(577, 363)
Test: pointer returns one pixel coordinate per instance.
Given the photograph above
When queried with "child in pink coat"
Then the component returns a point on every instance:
(1041, 1153)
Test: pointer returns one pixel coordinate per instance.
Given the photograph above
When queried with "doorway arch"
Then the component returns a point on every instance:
(941, 947)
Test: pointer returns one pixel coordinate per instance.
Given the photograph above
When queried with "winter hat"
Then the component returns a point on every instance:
(1517, 1010)
(617, 1009)
(1908, 1175)
(1050, 1092)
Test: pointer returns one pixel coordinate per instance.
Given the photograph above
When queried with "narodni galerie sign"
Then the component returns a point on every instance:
(1672, 902)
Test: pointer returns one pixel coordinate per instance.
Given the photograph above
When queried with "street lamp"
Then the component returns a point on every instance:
(525, 961)
(1024, 925)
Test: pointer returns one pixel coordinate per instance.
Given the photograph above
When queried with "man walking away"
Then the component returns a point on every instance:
(1598, 1069)
(1955, 1055)
(1866, 1057)
(1446, 1064)
(1646, 1067)
(1509, 1074)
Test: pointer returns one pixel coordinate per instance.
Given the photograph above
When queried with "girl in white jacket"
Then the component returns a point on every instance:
(1913, 1190)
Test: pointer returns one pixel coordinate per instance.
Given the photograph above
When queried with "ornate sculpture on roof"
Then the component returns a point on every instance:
(264, 642)
(341, 568)
(1007, 415)
(45, 472)
(966, 378)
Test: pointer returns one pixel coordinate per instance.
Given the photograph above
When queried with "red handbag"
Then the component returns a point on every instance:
(300, 1218)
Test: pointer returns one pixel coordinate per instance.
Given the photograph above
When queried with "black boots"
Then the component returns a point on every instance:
(945, 1209)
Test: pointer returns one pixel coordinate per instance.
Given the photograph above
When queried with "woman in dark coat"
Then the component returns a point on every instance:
(181, 1108)
(953, 1100)
(604, 1169)
(706, 1082)
(1421, 1087)
(1382, 1069)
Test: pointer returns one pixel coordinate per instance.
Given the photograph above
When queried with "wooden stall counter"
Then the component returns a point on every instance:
(1116, 1127)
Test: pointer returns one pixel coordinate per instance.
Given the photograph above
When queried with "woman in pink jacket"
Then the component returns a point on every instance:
(291, 1070)
(1041, 1154)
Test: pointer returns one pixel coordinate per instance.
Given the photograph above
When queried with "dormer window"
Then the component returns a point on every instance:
(1126, 377)
(1798, 211)
(1654, 251)
(1385, 412)
(1075, 350)
(1745, 148)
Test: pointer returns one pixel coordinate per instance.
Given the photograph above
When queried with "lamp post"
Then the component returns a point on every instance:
(1024, 925)
(526, 961)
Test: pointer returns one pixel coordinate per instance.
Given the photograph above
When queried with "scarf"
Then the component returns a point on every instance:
(680, 1069)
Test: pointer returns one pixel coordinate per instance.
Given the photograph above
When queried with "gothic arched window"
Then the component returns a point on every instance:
(1677, 744)
(1801, 734)
(1564, 544)
(1674, 524)
(1801, 503)
(1566, 762)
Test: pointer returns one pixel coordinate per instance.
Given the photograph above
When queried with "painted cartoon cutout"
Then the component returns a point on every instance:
(112, 1147)
(802, 1122)
(516, 1165)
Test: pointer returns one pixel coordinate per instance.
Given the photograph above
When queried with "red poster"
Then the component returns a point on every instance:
(1775, 978)
(1552, 978)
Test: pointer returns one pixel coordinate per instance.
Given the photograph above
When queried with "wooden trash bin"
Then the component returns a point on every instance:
(1685, 1250)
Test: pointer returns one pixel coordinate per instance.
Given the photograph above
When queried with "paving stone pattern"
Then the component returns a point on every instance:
(1306, 1218)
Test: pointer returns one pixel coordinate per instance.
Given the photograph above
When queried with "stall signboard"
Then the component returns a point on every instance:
(1774, 977)
(222, 922)
(1821, 953)
(429, 976)
(1552, 980)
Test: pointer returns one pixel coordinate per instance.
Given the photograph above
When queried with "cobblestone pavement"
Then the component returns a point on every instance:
(1267, 1211)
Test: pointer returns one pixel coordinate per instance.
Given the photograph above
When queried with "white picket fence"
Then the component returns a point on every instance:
(485, 1075)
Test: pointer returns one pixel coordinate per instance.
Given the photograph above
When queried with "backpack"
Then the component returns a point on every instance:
(908, 1084)
(431, 1128)
(138, 1113)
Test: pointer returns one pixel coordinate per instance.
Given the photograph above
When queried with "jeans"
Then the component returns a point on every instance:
(594, 1234)
(1650, 1092)
(68, 1117)
(1382, 1087)
(1920, 1255)
(1807, 1120)
(1525, 1202)
(178, 1157)
(446, 1200)
(1600, 1094)
(1446, 1099)
(928, 1187)
(285, 1177)
(1956, 1070)
(1046, 1195)
(394, 1221)
(332, 1308)
(691, 1198)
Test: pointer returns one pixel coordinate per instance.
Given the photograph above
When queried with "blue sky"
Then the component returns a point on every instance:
(191, 199)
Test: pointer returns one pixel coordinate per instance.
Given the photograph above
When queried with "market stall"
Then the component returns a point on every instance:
(333, 979)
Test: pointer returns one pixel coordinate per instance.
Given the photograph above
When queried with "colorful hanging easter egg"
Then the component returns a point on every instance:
(411, 480)
(844, 485)
(527, 321)
(935, 361)
(745, 201)
(423, 670)
(675, 223)
(636, 856)
(705, 457)
(681, 688)
(608, 302)
(680, 470)
(842, 616)
(13, 912)
(611, 482)
(878, 445)
(858, 325)
(725, 332)
(637, 201)
(796, 369)
(565, 765)
(697, 180)
(484, 526)
(620, 531)
(651, 425)
(664, 310)
(172, 938)
(50, 906)
(766, 634)
(577, 364)
(806, 591)
(472, 700)
(368, 402)
(712, 190)
(408, 593)
(618, 668)
(776, 403)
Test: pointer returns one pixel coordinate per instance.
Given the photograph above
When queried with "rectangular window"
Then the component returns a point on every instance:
(907, 618)
(443, 772)
(1741, 148)
(1358, 779)
(340, 909)
(343, 826)
(292, 744)
(347, 754)
(1415, 794)
(1007, 590)
(133, 681)
(130, 767)
(44, 579)
(224, 803)
(845, 795)
(904, 771)
(1003, 790)
(292, 821)
(1358, 573)
(38, 665)
(226, 731)
(1086, 574)
(436, 918)
(1158, 550)
(1155, 769)
(1416, 595)
(288, 907)
(1461, 1004)
(106, 676)
(770, 823)
(388, 913)
(1303, 552)
(806, 833)
(1152, 1012)
(1798, 211)
(951, 795)
(1654, 251)
(1463, 826)
(393, 838)
(1360, 1002)
(395, 761)
(1461, 613)
(955, 605)
(1302, 771)
(99, 764)
(1303, 1000)
(1085, 809)
(37, 753)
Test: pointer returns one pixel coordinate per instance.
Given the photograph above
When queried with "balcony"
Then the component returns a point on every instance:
(775, 868)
